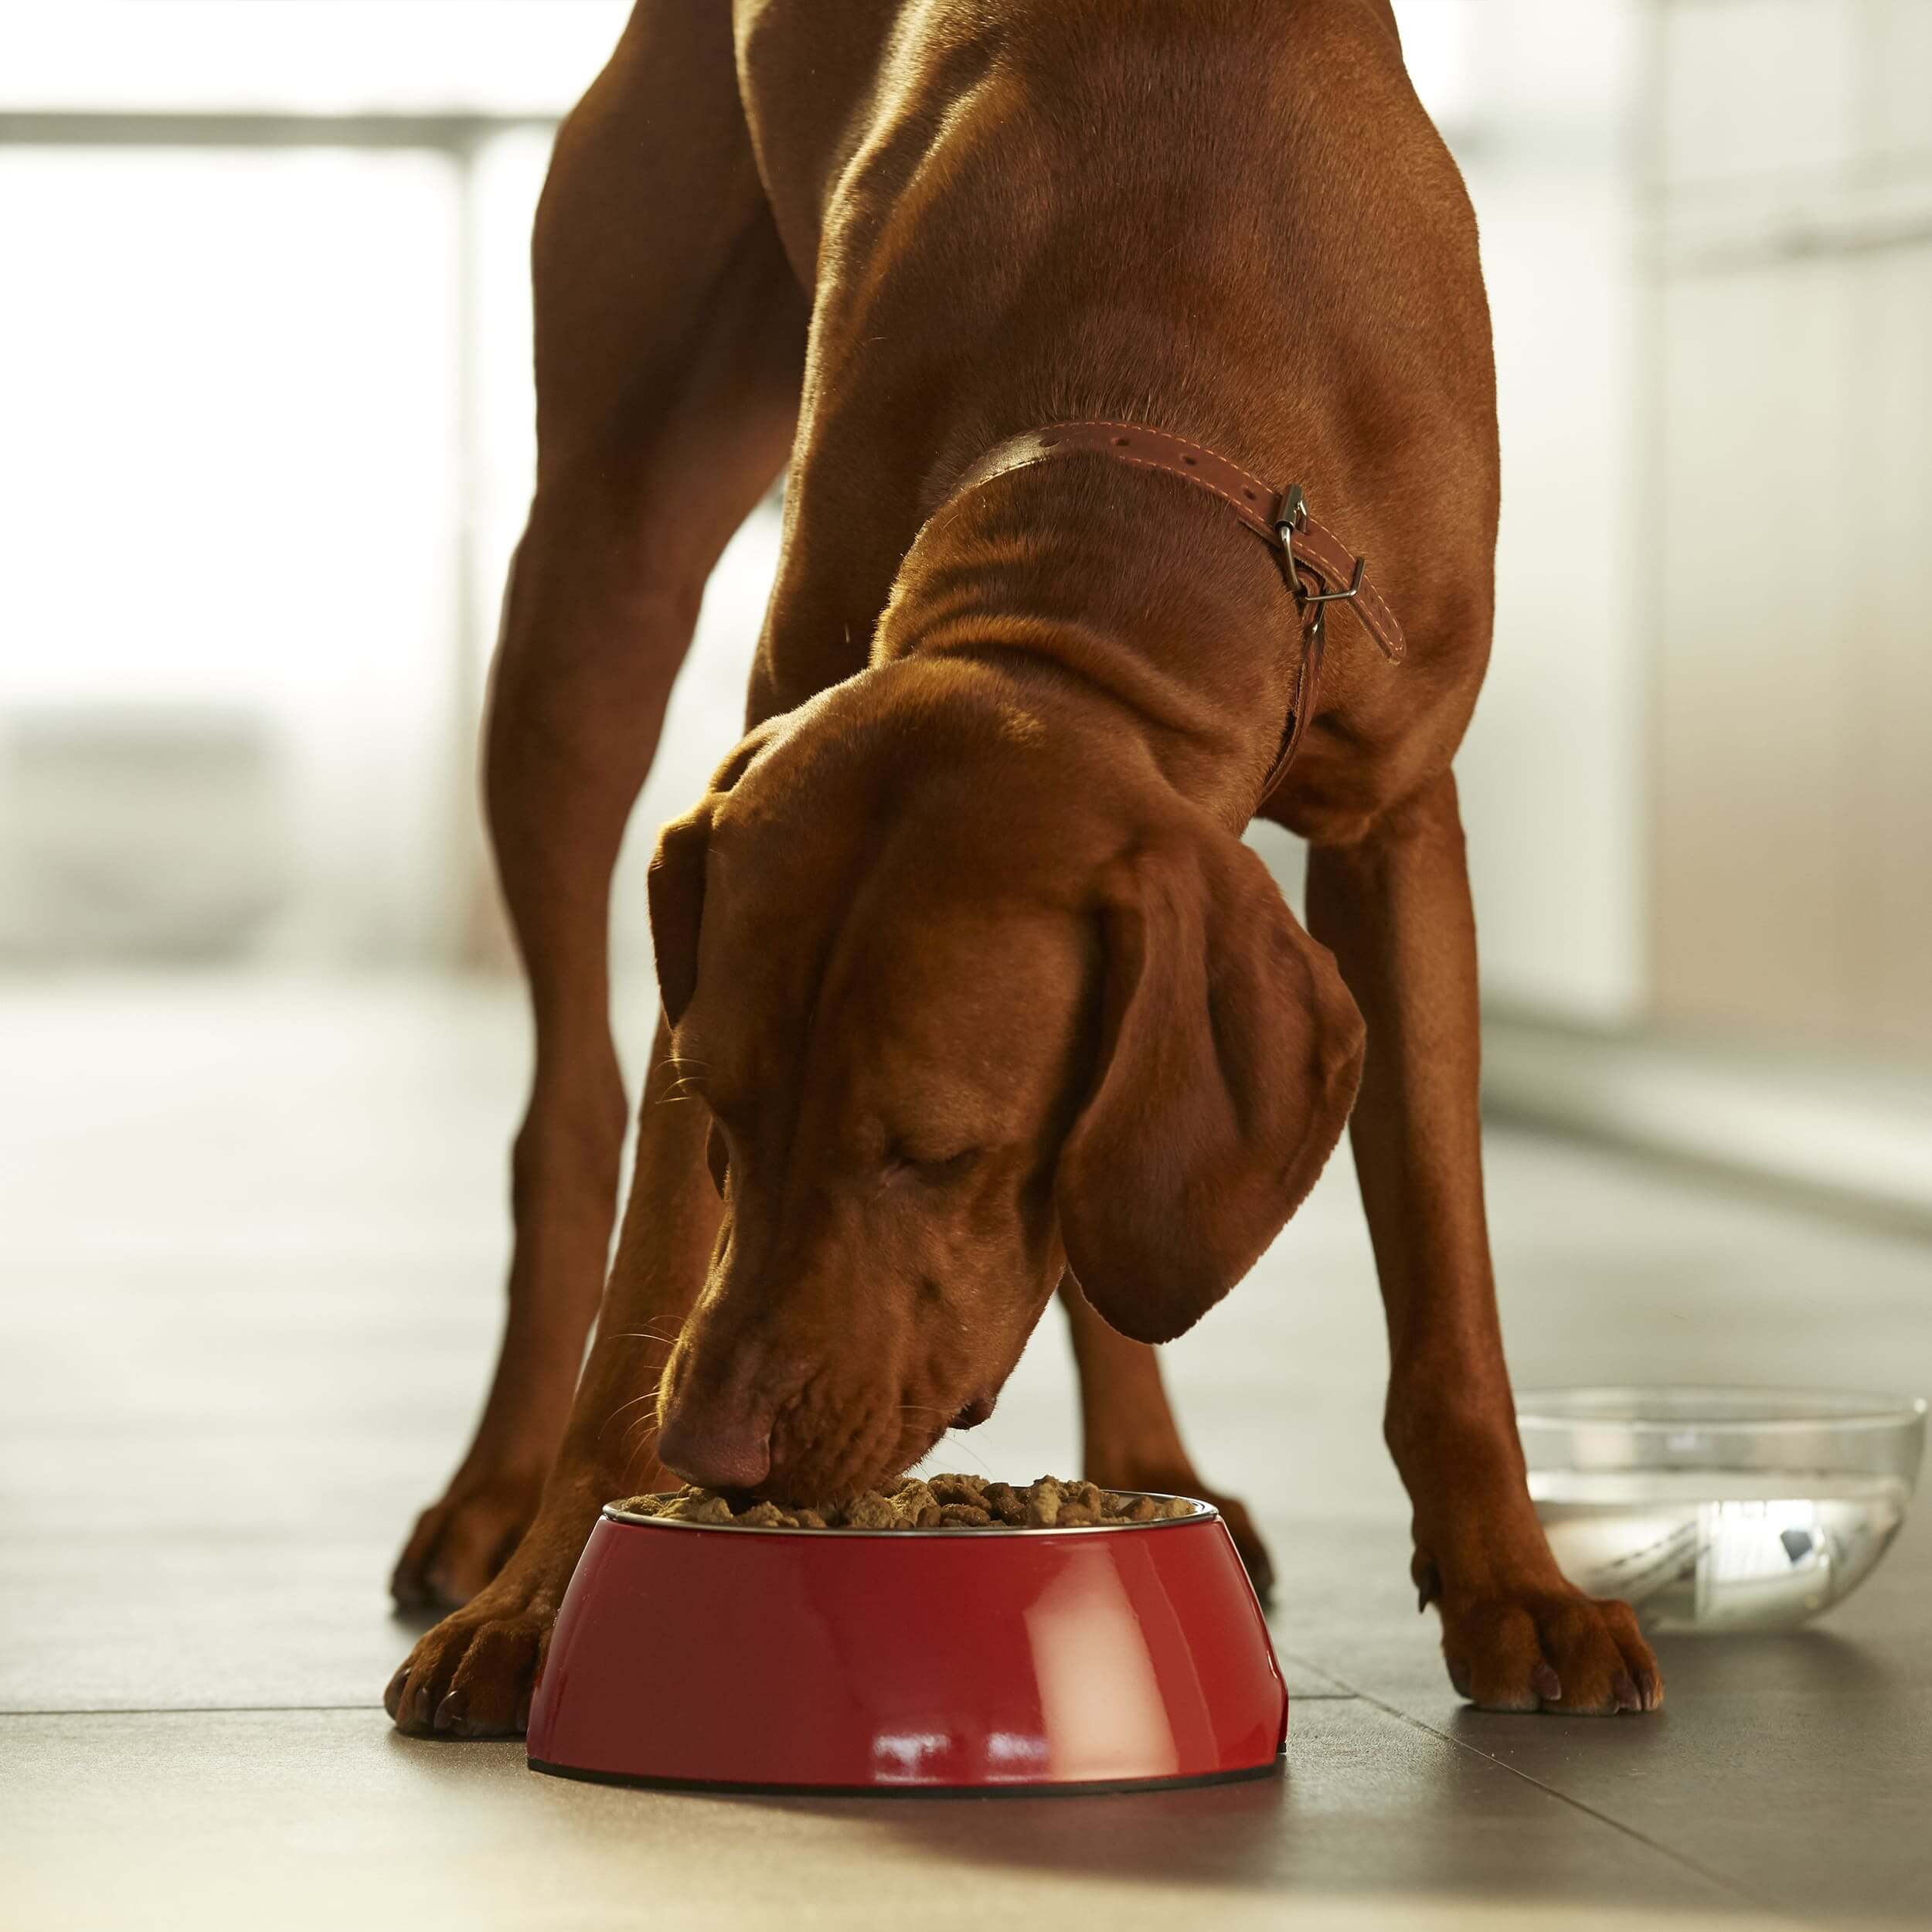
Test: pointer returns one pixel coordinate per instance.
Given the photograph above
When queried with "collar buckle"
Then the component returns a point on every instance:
(1290, 514)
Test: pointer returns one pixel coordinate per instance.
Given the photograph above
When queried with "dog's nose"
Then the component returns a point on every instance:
(716, 1455)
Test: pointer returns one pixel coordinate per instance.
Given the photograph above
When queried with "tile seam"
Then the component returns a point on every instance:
(1630, 1832)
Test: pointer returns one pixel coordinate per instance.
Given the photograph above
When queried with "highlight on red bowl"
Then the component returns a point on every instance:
(972, 1660)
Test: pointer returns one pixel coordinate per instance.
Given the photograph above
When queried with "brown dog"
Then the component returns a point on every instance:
(972, 978)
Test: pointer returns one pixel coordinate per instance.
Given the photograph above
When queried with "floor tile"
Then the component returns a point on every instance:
(301, 1819)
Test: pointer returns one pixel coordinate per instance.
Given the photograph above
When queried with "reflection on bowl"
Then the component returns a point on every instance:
(1713, 1508)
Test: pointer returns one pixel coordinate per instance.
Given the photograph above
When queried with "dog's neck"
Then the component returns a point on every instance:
(1131, 590)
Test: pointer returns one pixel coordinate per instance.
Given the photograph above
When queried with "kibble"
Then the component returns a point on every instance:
(934, 1502)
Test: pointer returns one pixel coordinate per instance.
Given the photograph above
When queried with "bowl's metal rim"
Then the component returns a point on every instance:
(1883, 1411)
(1202, 1512)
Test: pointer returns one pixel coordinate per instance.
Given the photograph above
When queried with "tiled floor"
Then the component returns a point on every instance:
(250, 1237)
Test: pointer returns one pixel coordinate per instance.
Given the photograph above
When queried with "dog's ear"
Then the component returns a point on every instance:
(676, 885)
(675, 880)
(1229, 1054)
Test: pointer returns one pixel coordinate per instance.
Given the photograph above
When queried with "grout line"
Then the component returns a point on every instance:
(189, 1710)
(1340, 1695)
(1305, 1663)
(1562, 1798)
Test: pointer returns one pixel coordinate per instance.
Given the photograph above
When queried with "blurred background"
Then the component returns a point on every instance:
(266, 442)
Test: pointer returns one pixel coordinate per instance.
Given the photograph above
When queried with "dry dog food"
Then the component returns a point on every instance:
(932, 1502)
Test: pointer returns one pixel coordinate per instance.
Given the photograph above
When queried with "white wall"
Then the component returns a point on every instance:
(1792, 858)
(1534, 103)
(226, 520)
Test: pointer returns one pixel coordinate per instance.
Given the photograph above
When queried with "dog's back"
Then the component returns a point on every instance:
(1095, 198)
(1233, 221)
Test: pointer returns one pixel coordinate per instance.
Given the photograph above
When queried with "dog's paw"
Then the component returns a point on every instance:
(1248, 1545)
(1133, 1473)
(1549, 1650)
(461, 1543)
(472, 1675)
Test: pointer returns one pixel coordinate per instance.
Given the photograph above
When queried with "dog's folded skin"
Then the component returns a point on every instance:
(970, 988)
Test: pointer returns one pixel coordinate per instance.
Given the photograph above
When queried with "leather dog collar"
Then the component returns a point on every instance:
(1318, 568)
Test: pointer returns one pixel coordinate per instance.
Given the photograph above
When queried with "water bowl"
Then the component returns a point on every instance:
(1720, 1509)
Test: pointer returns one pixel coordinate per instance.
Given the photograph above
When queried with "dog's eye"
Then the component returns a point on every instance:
(949, 1167)
(717, 1158)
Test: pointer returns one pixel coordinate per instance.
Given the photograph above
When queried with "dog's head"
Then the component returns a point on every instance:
(968, 1002)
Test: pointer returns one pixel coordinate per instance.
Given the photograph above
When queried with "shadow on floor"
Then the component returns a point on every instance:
(1368, 1806)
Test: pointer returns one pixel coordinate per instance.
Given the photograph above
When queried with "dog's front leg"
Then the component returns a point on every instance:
(1130, 1439)
(472, 1675)
(1395, 910)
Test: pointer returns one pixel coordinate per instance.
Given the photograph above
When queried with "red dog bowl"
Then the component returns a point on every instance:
(976, 1660)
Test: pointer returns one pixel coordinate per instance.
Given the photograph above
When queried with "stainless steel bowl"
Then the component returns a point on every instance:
(1714, 1508)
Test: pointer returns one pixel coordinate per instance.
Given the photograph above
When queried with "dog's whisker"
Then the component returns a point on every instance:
(644, 1450)
(680, 1070)
(687, 1075)
(657, 1383)
(650, 1395)
(949, 1439)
